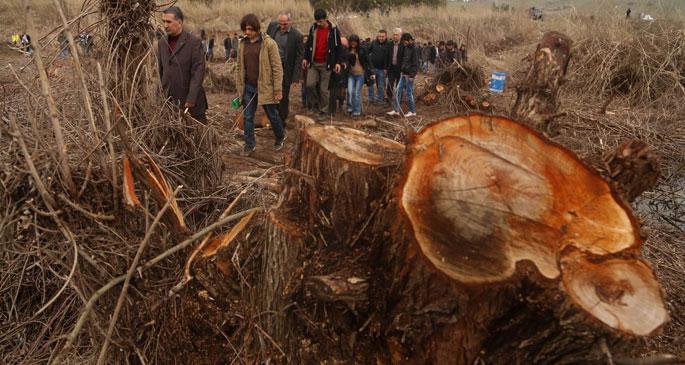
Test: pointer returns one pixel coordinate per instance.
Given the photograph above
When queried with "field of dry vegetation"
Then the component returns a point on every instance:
(68, 240)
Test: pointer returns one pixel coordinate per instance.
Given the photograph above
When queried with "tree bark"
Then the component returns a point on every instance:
(336, 176)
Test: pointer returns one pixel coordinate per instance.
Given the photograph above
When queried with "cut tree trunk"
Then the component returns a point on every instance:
(537, 96)
(504, 224)
(316, 250)
(494, 244)
(336, 176)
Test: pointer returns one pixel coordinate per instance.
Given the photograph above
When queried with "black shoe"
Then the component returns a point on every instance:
(247, 150)
(278, 145)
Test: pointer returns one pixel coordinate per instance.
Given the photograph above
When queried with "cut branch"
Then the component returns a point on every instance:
(52, 108)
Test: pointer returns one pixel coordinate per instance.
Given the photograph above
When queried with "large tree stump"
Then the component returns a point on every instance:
(494, 244)
(537, 96)
(494, 212)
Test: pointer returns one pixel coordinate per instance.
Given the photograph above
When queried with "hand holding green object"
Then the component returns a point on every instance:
(235, 103)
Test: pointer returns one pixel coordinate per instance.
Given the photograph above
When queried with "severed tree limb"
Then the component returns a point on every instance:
(120, 279)
(129, 274)
(52, 108)
(187, 276)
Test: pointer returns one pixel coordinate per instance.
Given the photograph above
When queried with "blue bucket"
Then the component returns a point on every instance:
(498, 82)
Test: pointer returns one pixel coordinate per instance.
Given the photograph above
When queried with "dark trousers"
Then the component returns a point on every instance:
(284, 105)
(250, 100)
(391, 85)
(337, 98)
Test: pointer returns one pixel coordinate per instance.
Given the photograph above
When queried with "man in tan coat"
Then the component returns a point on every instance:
(259, 81)
(182, 65)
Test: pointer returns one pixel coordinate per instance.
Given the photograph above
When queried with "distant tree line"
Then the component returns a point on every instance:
(368, 5)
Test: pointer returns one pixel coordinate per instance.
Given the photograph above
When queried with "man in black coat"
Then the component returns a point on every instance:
(291, 49)
(449, 55)
(432, 53)
(379, 55)
(182, 65)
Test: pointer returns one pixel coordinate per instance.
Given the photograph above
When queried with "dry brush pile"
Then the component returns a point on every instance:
(101, 184)
(647, 64)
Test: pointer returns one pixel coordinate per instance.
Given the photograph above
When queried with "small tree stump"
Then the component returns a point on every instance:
(537, 96)
(337, 174)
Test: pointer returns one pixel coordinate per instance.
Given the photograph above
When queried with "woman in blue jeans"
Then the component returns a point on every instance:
(358, 64)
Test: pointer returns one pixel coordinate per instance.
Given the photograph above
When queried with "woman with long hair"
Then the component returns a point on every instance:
(359, 63)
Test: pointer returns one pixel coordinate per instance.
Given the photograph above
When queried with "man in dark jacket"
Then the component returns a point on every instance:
(449, 56)
(291, 50)
(234, 45)
(321, 56)
(379, 55)
(182, 65)
(409, 66)
(432, 53)
(393, 63)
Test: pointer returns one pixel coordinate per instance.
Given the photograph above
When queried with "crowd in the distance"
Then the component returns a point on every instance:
(332, 68)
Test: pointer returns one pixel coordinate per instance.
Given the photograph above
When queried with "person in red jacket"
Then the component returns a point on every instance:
(321, 56)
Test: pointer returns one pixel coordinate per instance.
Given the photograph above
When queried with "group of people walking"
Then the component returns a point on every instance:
(331, 66)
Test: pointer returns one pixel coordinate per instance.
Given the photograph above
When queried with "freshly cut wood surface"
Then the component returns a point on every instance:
(226, 238)
(621, 292)
(483, 193)
(130, 197)
(354, 145)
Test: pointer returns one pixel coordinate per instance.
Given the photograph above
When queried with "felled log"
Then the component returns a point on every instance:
(265, 183)
(537, 96)
(430, 98)
(633, 168)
